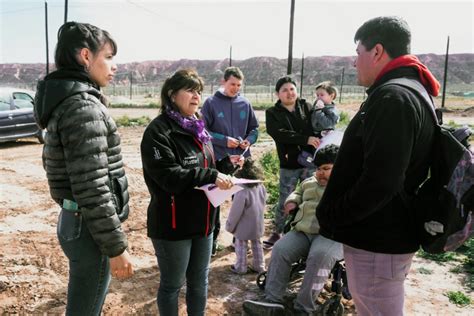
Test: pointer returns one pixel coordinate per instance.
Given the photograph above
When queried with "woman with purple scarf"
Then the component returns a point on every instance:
(177, 157)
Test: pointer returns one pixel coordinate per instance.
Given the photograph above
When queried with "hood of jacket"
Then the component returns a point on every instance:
(53, 90)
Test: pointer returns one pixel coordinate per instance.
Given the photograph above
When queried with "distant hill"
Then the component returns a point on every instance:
(257, 70)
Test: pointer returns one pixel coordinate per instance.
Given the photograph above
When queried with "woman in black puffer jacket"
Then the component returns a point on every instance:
(83, 164)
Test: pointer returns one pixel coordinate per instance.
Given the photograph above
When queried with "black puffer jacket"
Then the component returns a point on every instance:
(82, 158)
(385, 152)
(174, 163)
(290, 131)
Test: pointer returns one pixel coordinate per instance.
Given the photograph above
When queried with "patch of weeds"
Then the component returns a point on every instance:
(441, 257)
(271, 170)
(344, 119)
(457, 269)
(425, 271)
(458, 298)
(125, 121)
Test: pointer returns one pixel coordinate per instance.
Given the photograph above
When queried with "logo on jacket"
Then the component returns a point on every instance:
(157, 154)
(191, 160)
(220, 115)
(243, 115)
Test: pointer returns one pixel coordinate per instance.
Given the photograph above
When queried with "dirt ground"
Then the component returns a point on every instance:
(33, 269)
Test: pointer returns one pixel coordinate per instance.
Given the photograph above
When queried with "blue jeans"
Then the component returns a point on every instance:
(179, 261)
(288, 180)
(89, 270)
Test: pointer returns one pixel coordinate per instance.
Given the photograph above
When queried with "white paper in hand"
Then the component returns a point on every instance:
(217, 196)
(332, 137)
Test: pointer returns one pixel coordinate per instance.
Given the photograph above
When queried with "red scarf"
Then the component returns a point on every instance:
(426, 77)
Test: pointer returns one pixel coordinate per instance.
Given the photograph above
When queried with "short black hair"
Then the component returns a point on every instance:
(282, 81)
(74, 36)
(392, 32)
(326, 155)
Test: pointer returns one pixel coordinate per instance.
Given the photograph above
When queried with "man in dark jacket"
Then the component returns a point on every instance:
(288, 123)
(384, 157)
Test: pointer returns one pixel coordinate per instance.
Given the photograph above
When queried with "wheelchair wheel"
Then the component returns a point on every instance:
(333, 307)
(261, 278)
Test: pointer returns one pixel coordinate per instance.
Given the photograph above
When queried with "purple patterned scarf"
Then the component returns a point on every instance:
(191, 124)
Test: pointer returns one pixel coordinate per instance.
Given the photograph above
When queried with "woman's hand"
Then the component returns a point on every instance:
(224, 182)
(289, 207)
(121, 266)
(313, 141)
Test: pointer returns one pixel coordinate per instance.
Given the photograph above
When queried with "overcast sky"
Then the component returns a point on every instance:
(197, 29)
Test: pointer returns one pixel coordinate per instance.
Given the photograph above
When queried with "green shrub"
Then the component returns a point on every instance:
(458, 298)
(344, 119)
(125, 121)
(442, 257)
(271, 170)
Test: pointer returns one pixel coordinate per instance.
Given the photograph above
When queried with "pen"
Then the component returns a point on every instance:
(212, 187)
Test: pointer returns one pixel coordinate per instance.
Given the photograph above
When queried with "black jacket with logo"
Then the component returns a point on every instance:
(290, 131)
(385, 152)
(174, 163)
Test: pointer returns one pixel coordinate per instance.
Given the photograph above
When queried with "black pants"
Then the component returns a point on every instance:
(217, 223)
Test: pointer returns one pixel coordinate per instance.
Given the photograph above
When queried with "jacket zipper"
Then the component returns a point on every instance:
(205, 166)
(173, 213)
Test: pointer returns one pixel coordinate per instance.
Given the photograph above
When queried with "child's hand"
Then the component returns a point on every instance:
(319, 104)
(289, 207)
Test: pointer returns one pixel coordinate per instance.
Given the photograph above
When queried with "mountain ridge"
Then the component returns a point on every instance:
(257, 70)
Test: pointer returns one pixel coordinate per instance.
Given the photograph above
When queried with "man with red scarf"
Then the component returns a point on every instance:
(383, 158)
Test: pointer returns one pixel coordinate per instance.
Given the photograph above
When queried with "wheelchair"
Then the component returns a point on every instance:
(332, 306)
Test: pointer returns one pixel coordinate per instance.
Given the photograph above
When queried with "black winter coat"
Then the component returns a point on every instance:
(290, 131)
(81, 156)
(385, 152)
(174, 163)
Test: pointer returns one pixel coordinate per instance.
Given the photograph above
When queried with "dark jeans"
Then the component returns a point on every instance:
(89, 270)
(179, 261)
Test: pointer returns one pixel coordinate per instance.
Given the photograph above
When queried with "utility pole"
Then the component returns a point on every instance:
(230, 56)
(342, 84)
(290, 44)
(46, 32)
(65, 11)
(131, 84)
(445, 74)
(302, 72)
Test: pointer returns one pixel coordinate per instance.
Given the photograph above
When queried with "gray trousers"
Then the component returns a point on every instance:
(321, 254)
(376, 281)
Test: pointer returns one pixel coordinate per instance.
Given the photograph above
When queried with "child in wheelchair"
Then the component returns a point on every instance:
(302, 241)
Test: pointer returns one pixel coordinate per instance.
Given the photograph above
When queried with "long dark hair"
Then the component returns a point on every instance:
(74, 36)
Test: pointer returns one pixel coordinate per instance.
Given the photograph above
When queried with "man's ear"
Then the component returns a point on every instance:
(378, 52)
(85, 57)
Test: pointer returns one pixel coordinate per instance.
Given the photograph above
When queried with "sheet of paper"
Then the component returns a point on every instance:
(217, 196)
(332, 137)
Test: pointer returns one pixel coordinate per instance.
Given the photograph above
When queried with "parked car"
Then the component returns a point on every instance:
(16, 115)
